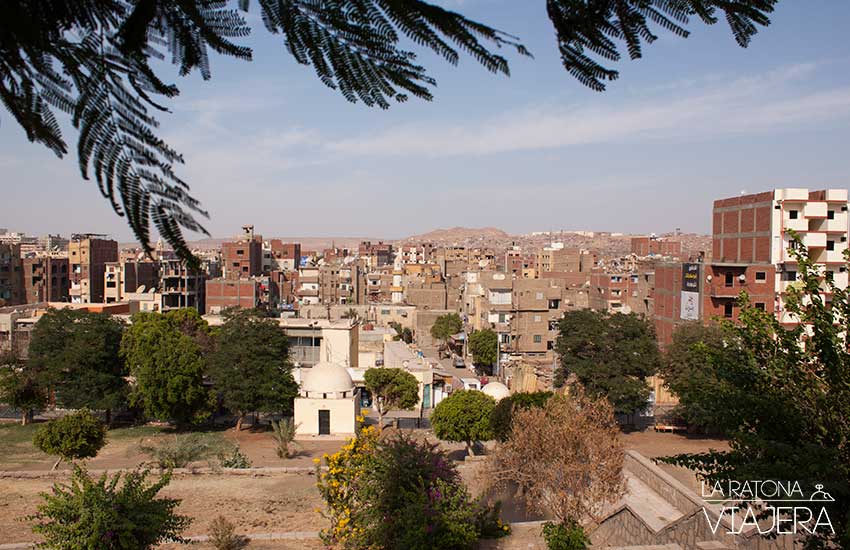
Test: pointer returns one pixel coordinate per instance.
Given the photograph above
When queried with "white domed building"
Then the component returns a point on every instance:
(327, 402)
(496, 390)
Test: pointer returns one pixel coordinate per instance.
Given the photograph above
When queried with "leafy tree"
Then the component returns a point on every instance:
(610, 354)
(96, 61)
(21, 387)
(565, 457)
(250, 366)
(165, 355)
(79, 354)
(501, 420)
(350, 313)
(484, 345)
(464, 416)
(445, 326)
(402, 333)
(690, 369)
(785, 405)
(72, 437)
(396, 492)
(392, 389)
(89, 514)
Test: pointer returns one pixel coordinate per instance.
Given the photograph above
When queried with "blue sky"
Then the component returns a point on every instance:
(696, 119)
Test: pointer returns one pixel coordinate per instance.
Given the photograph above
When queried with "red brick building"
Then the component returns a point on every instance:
(46, 279)
(654, 246)
(243, 258)
(224, 293)
(11, 275)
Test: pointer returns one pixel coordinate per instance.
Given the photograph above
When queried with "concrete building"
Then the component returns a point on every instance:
(622, 292)
(558, 258)
(128, 276)
(87, 256)
(180, 286)
(12, 290)
(327, 402)
(243, 258)
(376, 254)
(284, 256)
(46, 279)
(316, 340)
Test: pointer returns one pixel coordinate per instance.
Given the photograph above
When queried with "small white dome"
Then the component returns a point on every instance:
(496, 390)
(326, 378)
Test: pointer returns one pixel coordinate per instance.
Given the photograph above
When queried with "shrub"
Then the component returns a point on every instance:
(180, 450)
(396, 493)
(490, 525)
(283, 433)
(223, 535)
(90, 514)
(502, 417)
(565, 536)
(72, 437)
(235, 459)
(464, 416)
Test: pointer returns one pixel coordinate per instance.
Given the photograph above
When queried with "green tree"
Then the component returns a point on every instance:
(785, 405)
(250, 367)
(690, 369)
(402, 333)
(97, 61)
(79, 354)
(502, 418)
(89, 514)
(72, 437)
(484, 345)
(391, 389)
(165, 353)
(464, 417)
(21, 386)
(445, 326)
(610, 354)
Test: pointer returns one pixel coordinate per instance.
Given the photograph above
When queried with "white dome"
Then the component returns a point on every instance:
(496, 390)
(326, 378)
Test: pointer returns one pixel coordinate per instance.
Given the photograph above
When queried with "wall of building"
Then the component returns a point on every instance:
(343, 415)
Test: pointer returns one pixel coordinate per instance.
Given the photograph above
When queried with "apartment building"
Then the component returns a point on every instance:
(557, 258)
(128, 276)
(376, 254)
(243, 257)
(226, 293)
(283, 256)
(751, 238)
(750, 248)
(622, 292)
(12, 290)
(88, 255)
(416, 253)
(46, 279)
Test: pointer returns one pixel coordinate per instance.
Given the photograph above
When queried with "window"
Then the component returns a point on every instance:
(385, 312)
(538, 338)
(761, 276)
(789, 276)
(730, 279)
(829, 275)
(539, 296)
(830, 214)
(792, 214)
(727, 310)
(240, 252)
(760, 306)
(537, 318)
(830, 245)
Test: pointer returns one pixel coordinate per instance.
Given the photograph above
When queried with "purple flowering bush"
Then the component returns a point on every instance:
(106, 514)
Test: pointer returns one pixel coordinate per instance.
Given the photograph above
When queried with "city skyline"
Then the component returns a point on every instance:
(697, 118)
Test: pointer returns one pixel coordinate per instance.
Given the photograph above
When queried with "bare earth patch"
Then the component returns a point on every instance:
(263, 504)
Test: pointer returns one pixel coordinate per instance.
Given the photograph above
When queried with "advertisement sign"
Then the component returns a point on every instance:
(689, 305)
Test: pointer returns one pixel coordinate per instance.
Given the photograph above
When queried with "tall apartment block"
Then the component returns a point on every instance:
(750, 252)
(243, 258)
(46, 279)
(88, 255)
(181, 287)
(11, 275)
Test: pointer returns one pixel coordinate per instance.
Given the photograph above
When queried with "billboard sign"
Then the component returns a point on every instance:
(689, 304)
(690, 277)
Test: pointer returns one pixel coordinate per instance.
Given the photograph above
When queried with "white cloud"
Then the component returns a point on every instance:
(744, 105)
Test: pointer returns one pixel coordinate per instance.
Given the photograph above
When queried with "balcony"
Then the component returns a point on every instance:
(801, 224)
(814, 240)
(836, 225)
(814, 210)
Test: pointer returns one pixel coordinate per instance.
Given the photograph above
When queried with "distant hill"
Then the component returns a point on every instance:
(460, 234)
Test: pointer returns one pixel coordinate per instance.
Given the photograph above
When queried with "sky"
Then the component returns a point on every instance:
(694, 120)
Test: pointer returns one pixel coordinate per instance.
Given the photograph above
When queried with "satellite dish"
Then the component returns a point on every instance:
(141, 289)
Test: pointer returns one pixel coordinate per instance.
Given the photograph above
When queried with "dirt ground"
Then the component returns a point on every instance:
(122, 449)
(263, 504)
